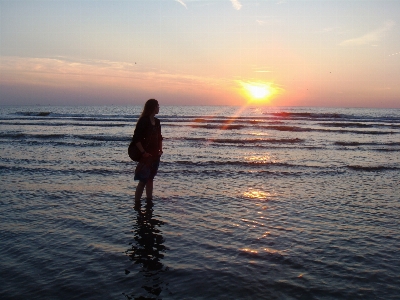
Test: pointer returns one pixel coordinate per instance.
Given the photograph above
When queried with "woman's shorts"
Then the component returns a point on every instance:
(146, 169)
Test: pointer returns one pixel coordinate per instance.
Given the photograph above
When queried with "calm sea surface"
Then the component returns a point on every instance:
(250, 203)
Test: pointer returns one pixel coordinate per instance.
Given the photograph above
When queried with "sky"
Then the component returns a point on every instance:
(193, 52)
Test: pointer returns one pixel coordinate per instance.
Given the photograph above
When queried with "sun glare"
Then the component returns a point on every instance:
(258, 91)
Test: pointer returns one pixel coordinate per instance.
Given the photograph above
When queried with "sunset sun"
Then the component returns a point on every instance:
(259, 92)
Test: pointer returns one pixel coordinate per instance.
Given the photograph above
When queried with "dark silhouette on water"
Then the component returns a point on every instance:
(148, 139)
(147, 250)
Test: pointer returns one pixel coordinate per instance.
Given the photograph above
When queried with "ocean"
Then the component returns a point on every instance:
(249, 203)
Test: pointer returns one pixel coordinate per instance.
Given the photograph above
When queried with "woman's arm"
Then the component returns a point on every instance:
(160, 138)
(140, 131)
(141, 149)
(160, 152)
(138, 136)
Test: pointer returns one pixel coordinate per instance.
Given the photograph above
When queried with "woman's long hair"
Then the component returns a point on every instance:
(149, 108)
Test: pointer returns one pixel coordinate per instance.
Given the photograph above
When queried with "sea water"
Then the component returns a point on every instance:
(249, 203)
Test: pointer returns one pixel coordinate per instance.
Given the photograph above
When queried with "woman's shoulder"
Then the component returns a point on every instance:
(144, 120)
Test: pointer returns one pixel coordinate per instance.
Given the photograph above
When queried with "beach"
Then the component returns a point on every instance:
(249, 203)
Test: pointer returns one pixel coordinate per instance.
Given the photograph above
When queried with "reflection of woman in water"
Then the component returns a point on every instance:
(147, 250)
(148, 139)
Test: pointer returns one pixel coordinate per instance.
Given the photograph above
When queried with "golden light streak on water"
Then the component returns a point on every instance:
(258, 194)
(247, 250)
(263, 159)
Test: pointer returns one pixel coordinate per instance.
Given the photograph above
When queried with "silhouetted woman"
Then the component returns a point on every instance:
(148, 139)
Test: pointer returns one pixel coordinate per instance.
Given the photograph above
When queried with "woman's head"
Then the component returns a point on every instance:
(149, 108)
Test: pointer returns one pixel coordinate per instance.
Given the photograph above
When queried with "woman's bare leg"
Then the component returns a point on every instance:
(139, 191)
(149, 189)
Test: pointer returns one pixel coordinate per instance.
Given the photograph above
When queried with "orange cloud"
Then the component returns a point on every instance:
(115, 78)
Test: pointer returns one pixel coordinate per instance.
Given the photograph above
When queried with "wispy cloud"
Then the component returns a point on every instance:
(236, 4)
(370, 37)
(328, 29)
(271, 20)
(67, 72)
(181, 2)
(98, 81)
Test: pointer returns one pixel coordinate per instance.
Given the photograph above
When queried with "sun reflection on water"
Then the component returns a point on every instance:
(263, 159)
(247, 250)
(257, 133)
(264, 250)
(257, 194)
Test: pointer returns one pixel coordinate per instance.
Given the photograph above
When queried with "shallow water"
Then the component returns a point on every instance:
(250, 203)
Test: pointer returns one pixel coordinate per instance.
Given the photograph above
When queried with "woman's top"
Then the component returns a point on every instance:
(149, 135)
